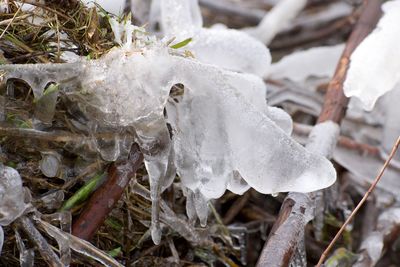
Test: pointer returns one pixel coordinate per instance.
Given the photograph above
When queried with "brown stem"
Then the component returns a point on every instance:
(290, 224)
(103, 200)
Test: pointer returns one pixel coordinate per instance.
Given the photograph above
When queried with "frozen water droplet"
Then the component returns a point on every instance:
(156, 233)
(50, 163)
(108, 148)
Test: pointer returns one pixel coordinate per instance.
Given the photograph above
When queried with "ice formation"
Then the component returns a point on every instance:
(277, 19)
(226, 48)
(12, 203)
(298, 66)
(223, 133)
(222, 127)
(375, 64)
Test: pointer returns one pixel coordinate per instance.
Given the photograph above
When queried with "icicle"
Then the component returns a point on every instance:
(201, 206)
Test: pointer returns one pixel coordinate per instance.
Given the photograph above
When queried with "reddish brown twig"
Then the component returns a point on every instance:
(359, 205)
(103, 200)
(289, 227)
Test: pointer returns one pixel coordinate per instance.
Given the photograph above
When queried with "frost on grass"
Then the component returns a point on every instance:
(223, 133)
(375, 64)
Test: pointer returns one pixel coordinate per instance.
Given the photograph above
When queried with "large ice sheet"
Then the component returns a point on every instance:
(224, 134)
(375, 64)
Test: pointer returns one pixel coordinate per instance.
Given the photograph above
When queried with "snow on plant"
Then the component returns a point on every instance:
(224, 136)
(375, 64)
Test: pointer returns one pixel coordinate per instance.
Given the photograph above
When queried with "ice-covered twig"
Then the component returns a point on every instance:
(103, 200)
(80, 246)
(284, 237)
(343, 141)
(44, 248)
(277, 19)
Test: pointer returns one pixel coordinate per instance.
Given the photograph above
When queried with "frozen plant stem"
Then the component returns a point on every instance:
(289, 227)
(353, 213)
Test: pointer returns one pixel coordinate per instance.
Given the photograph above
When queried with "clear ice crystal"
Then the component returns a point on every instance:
(375, 64)
(12, 203)
(50, 163)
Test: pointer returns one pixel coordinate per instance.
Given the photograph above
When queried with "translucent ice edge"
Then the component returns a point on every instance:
(375, 64)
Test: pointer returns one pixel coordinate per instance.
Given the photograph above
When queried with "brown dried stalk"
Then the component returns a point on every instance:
(359, 205)
(289, 227)
(103, 200)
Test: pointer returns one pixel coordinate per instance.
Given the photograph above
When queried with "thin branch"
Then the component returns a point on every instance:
(354, 212)
(289, 227)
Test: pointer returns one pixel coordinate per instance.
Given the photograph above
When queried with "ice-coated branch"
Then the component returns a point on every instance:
(44, 248)
(277, 19)
(288, 229)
